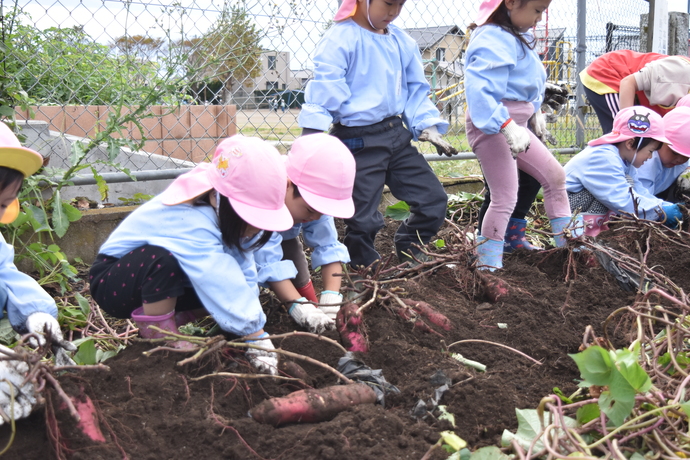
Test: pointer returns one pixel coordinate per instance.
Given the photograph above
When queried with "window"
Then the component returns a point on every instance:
(271, 85)
(440, 54)
(271, 62)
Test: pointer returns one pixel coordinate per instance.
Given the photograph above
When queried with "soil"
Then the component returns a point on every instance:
(152, 408)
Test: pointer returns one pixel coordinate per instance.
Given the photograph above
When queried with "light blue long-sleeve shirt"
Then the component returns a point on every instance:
(602, 171)
(321, 235)
(24, 295)
(224, 278)
(655, 177)
(362, 78)
(499, 67)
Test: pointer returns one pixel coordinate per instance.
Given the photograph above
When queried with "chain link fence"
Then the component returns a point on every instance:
(165, 79)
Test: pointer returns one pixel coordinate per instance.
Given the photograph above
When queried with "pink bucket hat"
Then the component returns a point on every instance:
(677, 129)
(347, 9)
(632, 122)
(684, 101)
(250, 173)
(486, 9)
(14, 156)
(324, 170)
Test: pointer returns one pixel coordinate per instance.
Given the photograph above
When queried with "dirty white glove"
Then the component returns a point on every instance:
(555, 97)
(538, 124)
(330, 297)
(41, 324)
(12, 386)
(517, 137)
(265, 362)
(307, 315)
(443, 147)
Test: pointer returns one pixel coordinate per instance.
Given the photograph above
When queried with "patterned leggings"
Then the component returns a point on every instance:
(586, 203)
(145, 275)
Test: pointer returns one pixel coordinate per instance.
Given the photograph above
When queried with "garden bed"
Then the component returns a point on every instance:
(151, 408)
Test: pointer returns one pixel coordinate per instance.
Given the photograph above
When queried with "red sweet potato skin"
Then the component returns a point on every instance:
(350, 326)
(494, 287)
(309, 406)
(430, 313)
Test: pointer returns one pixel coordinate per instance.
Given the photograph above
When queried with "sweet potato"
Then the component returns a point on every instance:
(428, 312)
(88, 416)
(494, 288)
(292, 369)
(311, 406)
(350, 325)
(417, 322)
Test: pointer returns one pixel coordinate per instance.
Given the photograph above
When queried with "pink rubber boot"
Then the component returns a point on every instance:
(165, 322)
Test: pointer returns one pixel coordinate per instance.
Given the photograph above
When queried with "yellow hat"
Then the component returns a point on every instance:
(13, 155)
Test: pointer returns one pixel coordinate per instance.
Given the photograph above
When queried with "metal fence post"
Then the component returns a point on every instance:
(581, 50)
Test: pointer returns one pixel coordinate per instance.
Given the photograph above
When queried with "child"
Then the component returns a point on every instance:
(321, 173)
(29, 308)
(624, 78)
(660, 175)
(191, 247)
(369, 82)
(504, 82)
(599, 178)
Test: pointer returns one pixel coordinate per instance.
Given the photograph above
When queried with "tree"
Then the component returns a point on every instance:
(228, 53)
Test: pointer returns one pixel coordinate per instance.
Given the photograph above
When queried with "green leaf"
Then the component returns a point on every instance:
(7, 334)
(60, 221)
(72, 213)
(440, 243)
(83, 304)
(489, 453)
(38, 218)
(595, 365)
(587, 413)
(558, 392)
(86, 354)
(619, 400)
(528, 429)
(398, 211)
(445, 415)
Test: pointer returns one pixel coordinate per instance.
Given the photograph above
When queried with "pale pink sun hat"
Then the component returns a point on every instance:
(684, 101)
(323, 169)
(486, 9)
(347, 9)
(677, 129)
(250, 173)
(632, 122)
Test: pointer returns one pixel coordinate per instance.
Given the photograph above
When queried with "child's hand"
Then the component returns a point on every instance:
(329, 303)
(538, 124)
(443, 147)
(264, 361)
(672, 215)
(17, 396)
(307, 315)
(517, 137)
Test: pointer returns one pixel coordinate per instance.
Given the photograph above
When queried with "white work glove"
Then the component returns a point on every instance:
(12, 386)
(307, 315)
(40, 324)
(265, 362)
(517, 137)
(538, 124)
(330, 297)
(443, 147)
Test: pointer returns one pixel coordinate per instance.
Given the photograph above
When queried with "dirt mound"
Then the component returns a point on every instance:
(152, 408)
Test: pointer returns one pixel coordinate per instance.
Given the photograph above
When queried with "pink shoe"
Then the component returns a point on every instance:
(165, 322)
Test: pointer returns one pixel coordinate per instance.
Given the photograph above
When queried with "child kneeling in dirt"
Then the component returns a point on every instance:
(192, 246)
(29, 307)
(321, 174)
(661, 174)
(602, 179)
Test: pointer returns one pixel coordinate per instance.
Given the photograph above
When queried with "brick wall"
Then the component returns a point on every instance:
(190, 132)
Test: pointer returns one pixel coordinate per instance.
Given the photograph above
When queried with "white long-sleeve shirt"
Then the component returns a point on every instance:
(602, 171)
(362, 78)
(500, 67)
(24, 295)
(224, 278)
(321, 235)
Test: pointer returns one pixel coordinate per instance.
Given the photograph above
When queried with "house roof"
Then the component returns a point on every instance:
(427, 37)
